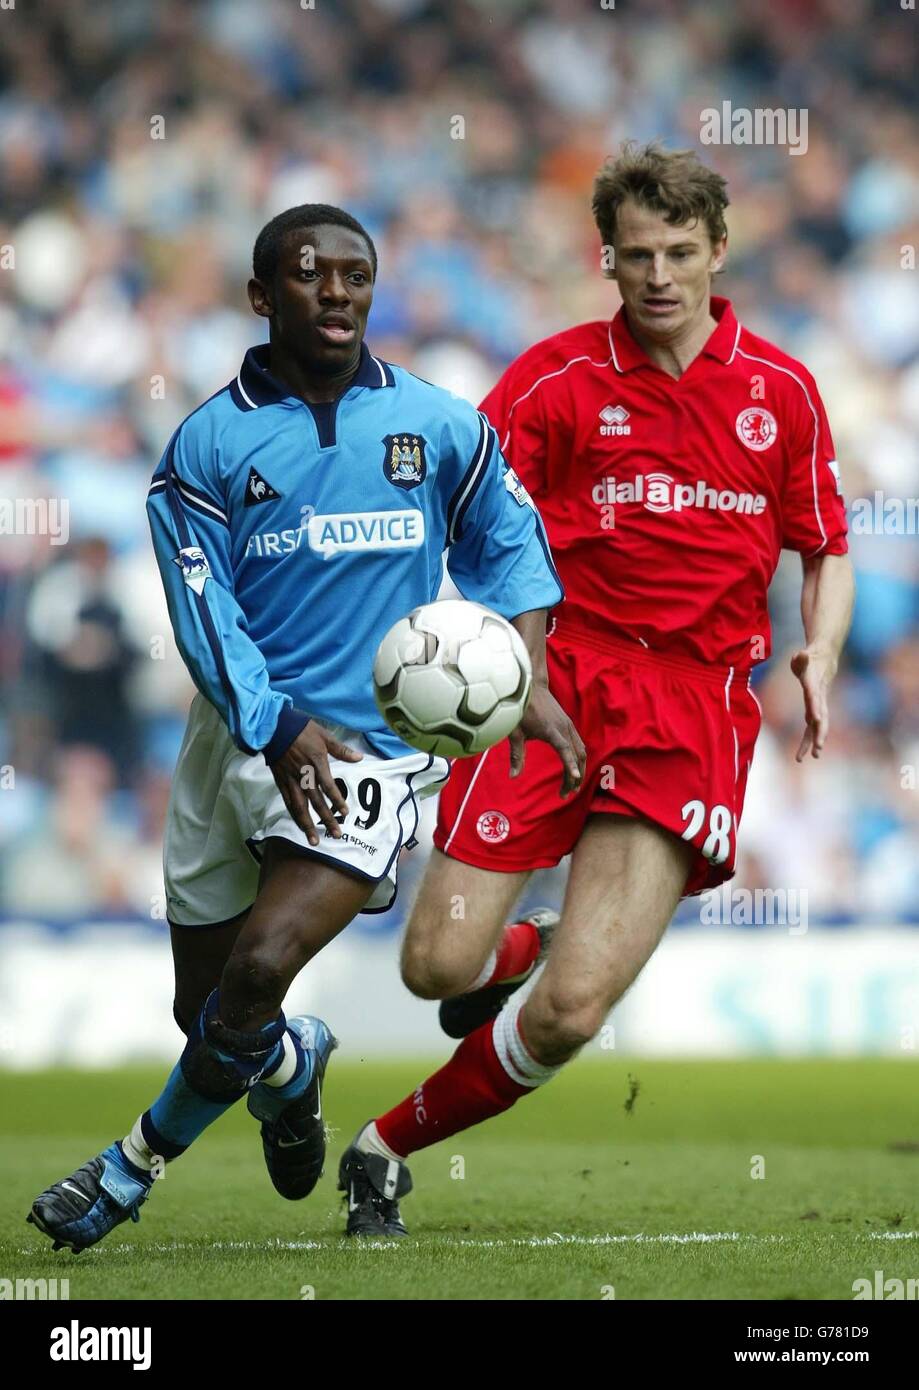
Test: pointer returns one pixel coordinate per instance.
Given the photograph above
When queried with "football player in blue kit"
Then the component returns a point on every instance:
(295, 516)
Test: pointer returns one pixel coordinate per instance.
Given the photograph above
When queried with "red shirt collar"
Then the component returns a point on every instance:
(627, 353)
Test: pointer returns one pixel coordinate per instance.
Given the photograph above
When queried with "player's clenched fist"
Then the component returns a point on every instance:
(546, 720)
(305, 779)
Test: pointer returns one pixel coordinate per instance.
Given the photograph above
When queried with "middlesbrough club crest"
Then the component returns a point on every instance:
(493, 827)
(756, 428)
(403, 460)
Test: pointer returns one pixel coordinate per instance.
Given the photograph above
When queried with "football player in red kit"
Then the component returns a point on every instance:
(672, 455)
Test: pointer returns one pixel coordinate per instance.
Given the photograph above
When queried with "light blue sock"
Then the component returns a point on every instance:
(218, 1066)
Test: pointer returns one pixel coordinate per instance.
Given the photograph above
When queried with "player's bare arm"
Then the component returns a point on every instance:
(545, 719)
(827, 600)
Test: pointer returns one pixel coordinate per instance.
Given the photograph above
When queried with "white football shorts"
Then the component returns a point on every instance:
(224, 803)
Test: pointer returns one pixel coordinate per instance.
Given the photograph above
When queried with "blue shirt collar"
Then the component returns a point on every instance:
(255, 386)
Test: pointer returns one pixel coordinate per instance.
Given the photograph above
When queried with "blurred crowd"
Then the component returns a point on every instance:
(143, 145)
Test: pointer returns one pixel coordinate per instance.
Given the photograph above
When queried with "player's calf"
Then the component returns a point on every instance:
(523, 946)
(625, 883)
(217, 1067)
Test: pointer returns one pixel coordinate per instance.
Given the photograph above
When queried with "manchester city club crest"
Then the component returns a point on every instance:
(403, 460)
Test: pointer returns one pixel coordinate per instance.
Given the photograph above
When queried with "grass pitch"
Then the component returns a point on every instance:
(633, 1176)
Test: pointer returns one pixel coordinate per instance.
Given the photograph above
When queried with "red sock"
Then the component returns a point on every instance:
(472, 1087)
(516, 952)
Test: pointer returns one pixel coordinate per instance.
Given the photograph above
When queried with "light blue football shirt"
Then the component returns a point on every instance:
(291, 537)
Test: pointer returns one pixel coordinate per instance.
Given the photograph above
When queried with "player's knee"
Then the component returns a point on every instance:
(570, 1032)
(568, 1021)
(429, 975)
(256, 975)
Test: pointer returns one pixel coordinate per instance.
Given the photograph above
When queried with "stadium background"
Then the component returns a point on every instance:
(126, 308)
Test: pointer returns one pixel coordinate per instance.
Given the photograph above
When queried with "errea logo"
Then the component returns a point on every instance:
(614, 420)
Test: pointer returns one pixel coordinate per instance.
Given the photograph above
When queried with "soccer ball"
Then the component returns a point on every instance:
(452, 678)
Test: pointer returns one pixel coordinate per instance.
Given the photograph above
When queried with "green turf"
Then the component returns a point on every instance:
(840, 1197)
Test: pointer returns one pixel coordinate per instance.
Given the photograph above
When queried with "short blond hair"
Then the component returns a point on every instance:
(673, 182)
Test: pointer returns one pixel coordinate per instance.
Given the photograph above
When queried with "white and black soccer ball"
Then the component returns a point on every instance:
(452, 678)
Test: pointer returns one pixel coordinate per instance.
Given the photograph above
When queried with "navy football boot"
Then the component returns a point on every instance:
(293, 1131)
(373, 1185)
(464, 1013)
(78, 1211)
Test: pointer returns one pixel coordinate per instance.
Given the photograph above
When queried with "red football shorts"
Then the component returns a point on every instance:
(668, 739)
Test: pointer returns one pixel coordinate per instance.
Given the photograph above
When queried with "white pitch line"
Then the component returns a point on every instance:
(555, 1238)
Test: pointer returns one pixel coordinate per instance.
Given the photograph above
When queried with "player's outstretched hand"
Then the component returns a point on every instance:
(546, 720)
(305, 779)
(815, 670)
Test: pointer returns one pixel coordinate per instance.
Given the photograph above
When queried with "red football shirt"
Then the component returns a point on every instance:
(666, 501)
